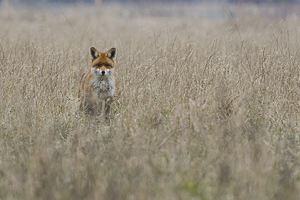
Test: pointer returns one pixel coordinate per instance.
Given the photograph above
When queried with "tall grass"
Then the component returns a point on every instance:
(202, 110)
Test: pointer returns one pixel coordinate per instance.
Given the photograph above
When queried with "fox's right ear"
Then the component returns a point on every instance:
(94, 53)
(111, 53)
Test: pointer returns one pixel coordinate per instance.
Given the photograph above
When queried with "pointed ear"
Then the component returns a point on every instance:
(94, 53)
(111, 53)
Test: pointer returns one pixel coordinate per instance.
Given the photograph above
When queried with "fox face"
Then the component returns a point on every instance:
(102, 62)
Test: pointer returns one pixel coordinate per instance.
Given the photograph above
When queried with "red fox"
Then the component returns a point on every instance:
(97, 84)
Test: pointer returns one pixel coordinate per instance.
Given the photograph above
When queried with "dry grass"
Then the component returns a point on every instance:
(201, 110)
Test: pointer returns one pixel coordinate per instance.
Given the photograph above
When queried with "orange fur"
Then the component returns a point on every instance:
(97, 83)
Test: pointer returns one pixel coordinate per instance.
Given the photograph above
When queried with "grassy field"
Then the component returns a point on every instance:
(206, 105)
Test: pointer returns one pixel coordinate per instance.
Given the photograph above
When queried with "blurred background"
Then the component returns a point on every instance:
(93, 1)
(213, 9)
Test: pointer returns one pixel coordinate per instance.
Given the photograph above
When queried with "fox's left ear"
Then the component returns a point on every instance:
(111, 53)
(94, 53)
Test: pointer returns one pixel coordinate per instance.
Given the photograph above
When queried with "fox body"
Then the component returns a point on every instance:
(97, 84)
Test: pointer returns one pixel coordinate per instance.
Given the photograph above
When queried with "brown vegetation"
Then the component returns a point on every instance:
(204, 108)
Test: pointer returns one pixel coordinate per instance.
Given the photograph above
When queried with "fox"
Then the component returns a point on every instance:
(97, 84)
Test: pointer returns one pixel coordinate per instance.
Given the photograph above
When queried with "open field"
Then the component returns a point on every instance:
(206, 106)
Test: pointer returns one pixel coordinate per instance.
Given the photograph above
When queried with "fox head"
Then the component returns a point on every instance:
(102, 62)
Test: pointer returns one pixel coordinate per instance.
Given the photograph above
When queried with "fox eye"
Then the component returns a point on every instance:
(107, 65)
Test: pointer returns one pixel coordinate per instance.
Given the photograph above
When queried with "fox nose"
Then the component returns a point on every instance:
(103, 72)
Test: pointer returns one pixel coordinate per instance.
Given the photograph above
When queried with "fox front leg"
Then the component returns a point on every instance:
(107, 107)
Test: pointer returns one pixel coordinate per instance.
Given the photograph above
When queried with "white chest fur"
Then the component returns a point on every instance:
(104, 86)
